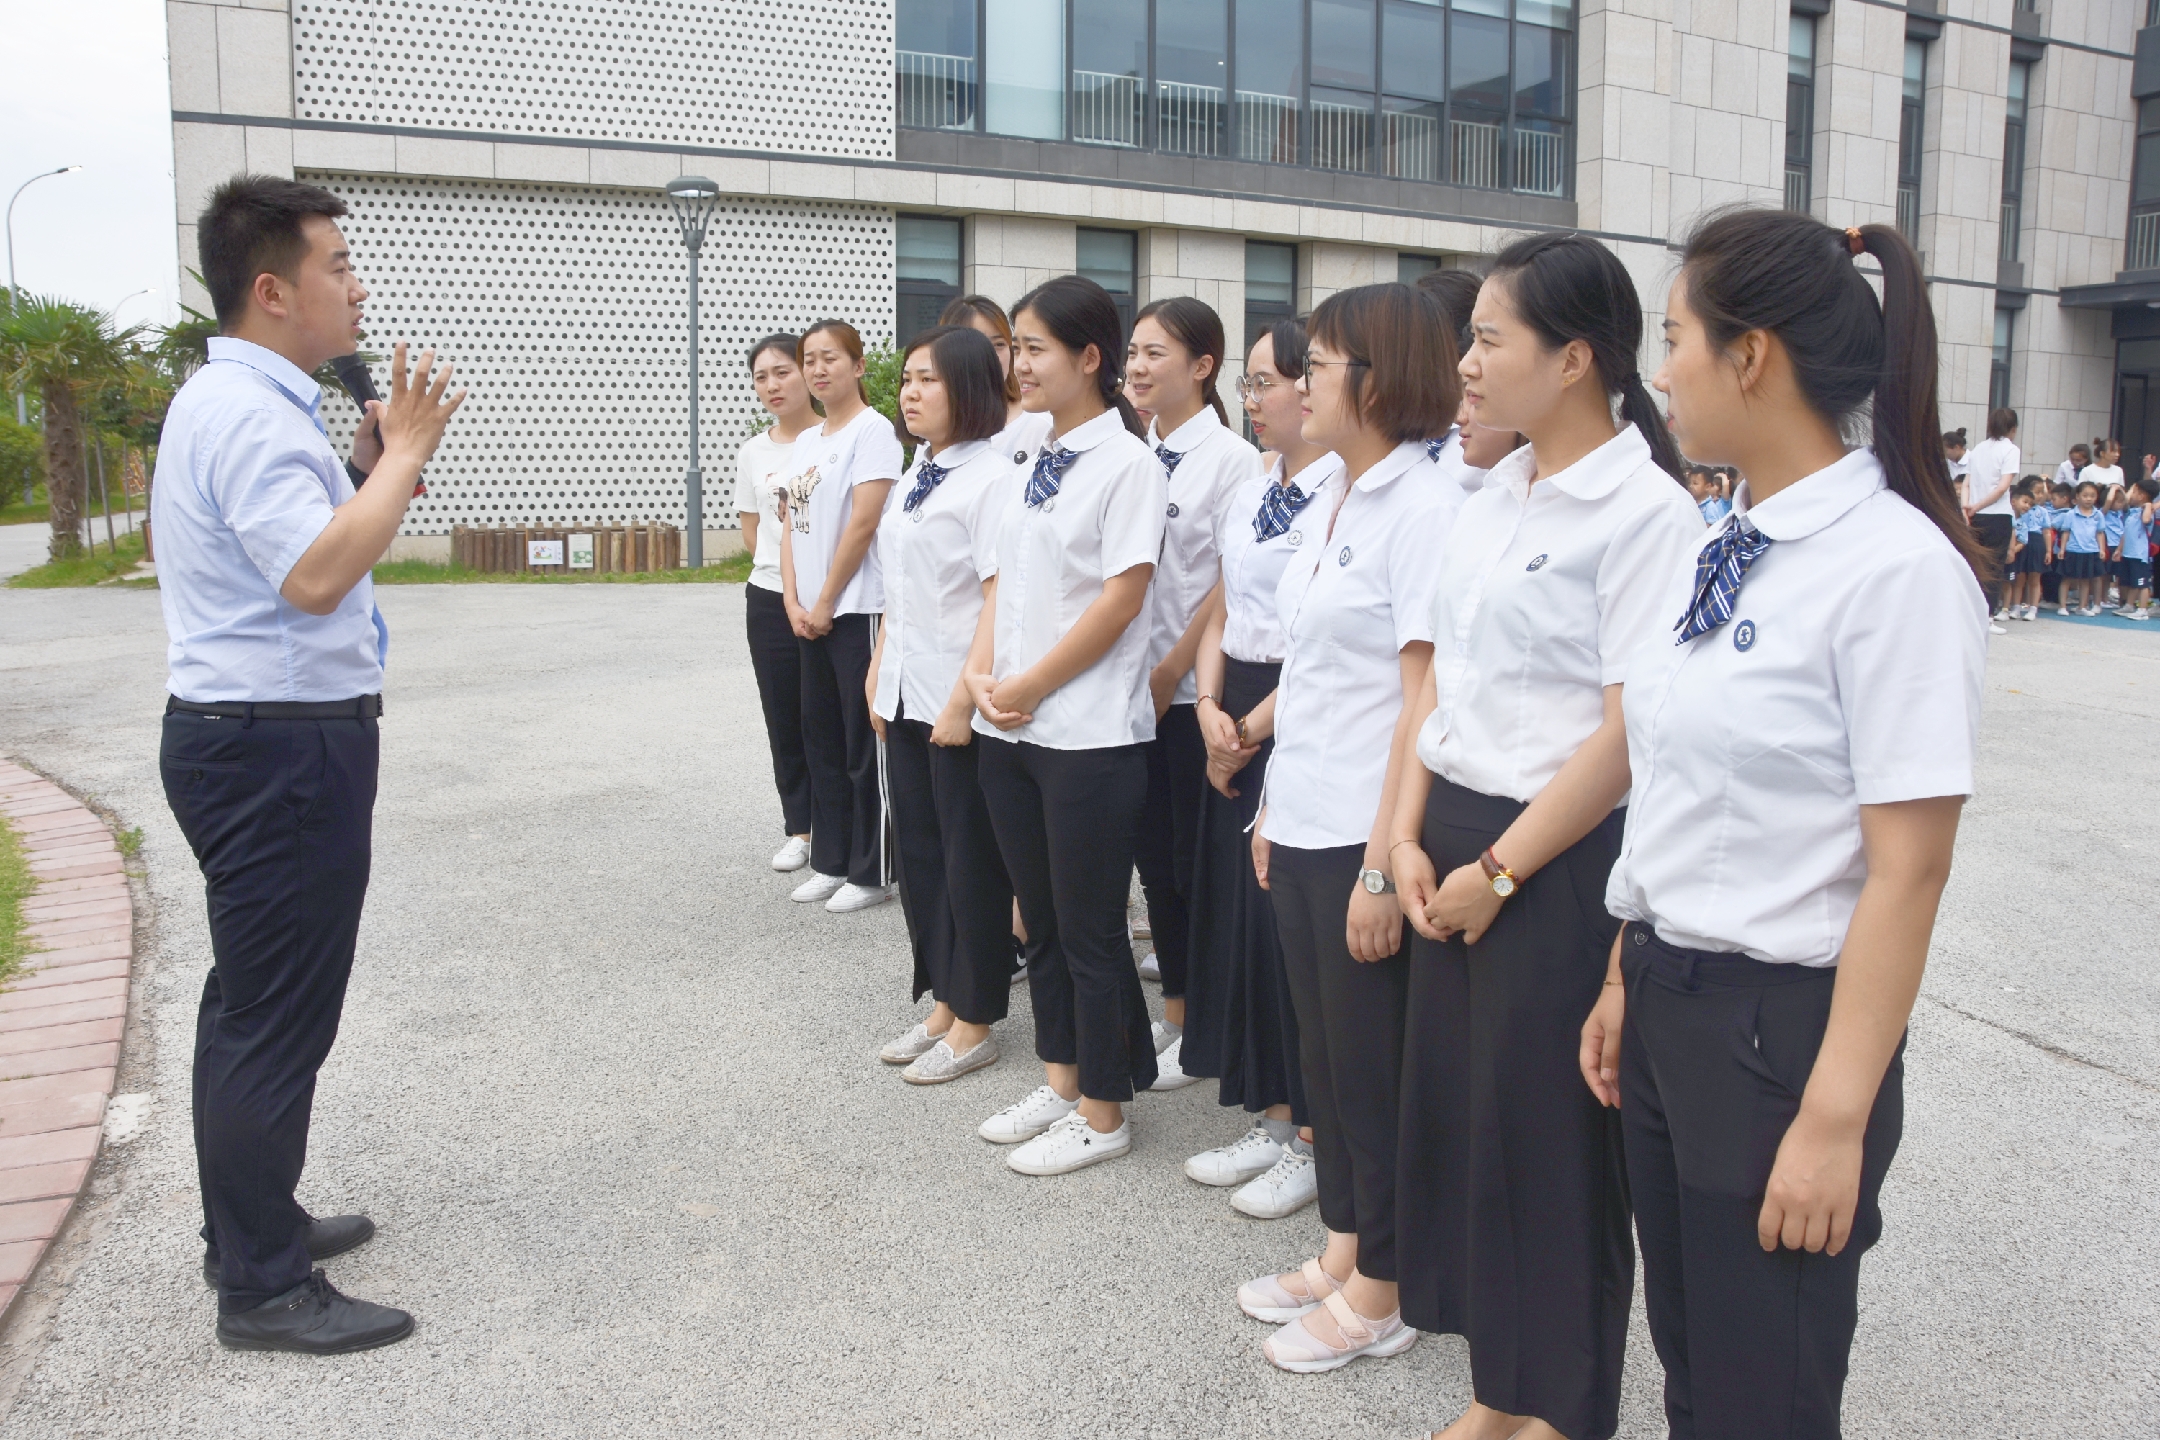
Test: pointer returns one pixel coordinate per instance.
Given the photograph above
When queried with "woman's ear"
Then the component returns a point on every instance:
(1090, 360)
(1751, 358)
(1576, 361)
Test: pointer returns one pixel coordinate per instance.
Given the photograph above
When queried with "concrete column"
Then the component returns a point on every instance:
(1859, 89)
(1728, 107)
(1005, 256)
(1624, 138)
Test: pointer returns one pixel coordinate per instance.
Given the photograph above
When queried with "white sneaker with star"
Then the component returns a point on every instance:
(1253, 1153)
(1070, 1144)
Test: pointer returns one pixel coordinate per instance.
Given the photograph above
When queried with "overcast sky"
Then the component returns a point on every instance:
(82, 82)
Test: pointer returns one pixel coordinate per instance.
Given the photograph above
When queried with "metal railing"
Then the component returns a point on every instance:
(1410, 145)
(2143, 250)
(1106, 108)
(1188, 118)
(1267, 127)
(1908, 213)
(1341, 136)
(1540, 162)
(1474, 152)
(2012, 221)
(1799, 188)
(936, 92)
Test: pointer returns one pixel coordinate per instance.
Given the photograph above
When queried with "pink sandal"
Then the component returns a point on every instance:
(1297, 1349)
(1268, 1299)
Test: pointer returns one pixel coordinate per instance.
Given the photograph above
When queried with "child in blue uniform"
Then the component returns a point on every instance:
(2028, 548)
(2136, 559)
(2081, 538)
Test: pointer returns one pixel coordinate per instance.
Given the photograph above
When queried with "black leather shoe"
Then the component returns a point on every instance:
(325, 1238)
(312, 1318)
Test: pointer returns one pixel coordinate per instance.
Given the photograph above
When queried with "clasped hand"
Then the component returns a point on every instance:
(1436, 908)
(1226, 754)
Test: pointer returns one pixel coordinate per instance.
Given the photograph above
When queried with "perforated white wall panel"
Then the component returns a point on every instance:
(566, 311)
(812, 77)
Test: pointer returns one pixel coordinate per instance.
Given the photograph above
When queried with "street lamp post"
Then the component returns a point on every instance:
(22, 412)
(692, 197)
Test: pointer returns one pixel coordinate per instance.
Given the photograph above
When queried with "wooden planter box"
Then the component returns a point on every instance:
(501, 550)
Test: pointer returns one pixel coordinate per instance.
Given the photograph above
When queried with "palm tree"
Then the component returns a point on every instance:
(65, 351)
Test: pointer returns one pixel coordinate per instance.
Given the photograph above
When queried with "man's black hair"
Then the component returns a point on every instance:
(251, 227)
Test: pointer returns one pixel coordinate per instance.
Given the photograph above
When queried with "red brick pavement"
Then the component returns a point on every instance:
(60, 1018)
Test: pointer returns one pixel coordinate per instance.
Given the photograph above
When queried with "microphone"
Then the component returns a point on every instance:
(353, 374)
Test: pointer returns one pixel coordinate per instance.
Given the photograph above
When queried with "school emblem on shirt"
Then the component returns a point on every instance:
(1019, 457)
(1344, 558)
(1743, 635)
(1297, 538)
(1173, 510)
(1536, 563)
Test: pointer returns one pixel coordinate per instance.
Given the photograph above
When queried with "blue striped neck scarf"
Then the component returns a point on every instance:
(1050, 468)
(1278, 508)
(928, 476)
(1719, 569)
(1169, 457)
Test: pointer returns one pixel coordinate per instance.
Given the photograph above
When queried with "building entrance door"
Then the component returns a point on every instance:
(2137, 398)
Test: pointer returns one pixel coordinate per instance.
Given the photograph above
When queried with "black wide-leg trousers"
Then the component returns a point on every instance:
(776, 661)
(1714, 1057)
(280, 815)
(1169, 839)
(953, 888)
(1065, 821)
(847, 827)
(1350, 1035)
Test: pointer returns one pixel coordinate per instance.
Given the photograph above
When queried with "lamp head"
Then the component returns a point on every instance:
(692, 197)
(693, 188)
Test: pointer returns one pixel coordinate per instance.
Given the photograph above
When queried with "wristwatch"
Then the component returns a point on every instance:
(1375, 882)
(1241, 735)
(1501, 878)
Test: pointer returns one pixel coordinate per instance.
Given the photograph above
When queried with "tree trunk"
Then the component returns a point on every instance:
(65, 482)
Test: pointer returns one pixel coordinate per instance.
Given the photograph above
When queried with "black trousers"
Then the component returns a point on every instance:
(776, 660)
(1715, 1055)
(1170, 837)
(280, 815)
(1350, 1030)
(1545, 1252)
(847, 826)
(1993, 533)
(952, 880)
(1065, 821)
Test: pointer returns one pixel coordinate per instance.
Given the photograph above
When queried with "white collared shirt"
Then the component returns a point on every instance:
(823, 471)
(1023, 436)
(1545, 594)
(935, 558)
(1985, 466)
(761, 469)
(1252, 569)
(1849, 675)
(1052, 560)
(246, 481)
(1359, 590)
(1216, 461)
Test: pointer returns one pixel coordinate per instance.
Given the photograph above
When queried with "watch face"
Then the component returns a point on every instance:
(1374, 881)
(1503, 885)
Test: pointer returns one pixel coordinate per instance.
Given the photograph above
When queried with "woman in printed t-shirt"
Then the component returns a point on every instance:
(839, 474)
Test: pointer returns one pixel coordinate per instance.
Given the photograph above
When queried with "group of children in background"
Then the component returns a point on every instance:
(2081, 542)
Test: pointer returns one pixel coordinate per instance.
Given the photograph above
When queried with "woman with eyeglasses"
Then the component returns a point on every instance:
(1171, 364)
(1355, 605)
(1241, 1029)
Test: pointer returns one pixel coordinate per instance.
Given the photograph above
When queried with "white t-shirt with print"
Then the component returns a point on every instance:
(823, 471)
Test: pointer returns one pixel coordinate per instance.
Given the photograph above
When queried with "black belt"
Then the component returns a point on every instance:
(364, 707)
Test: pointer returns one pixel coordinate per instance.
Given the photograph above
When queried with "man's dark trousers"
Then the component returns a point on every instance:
(279, 814)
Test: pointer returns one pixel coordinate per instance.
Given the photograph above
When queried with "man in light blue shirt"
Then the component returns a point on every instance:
(270, 745)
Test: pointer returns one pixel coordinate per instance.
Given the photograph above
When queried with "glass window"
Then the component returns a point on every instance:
(1410, 60)
(936, 27)
(1024, 89)
(1999, 362)
(1342, 44)
(1408, 268)
(1541, 84)
(927, 270)
(1270, 78)
(1270, 287)
(1191, 41)
(1109, 258)
(1559, 14)
(1800, 48)
(1915, 71)
(1109, 70)
(2145, 176)
(1478, 62)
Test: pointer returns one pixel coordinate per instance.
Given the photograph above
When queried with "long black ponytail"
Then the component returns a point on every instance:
(1078, 313)
(1793, 276)
(1568, 287)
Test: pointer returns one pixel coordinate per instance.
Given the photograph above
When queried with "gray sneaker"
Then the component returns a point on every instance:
(908, 1047)
(938, 1064)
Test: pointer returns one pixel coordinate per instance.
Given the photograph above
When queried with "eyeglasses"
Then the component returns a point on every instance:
(1255, 387)
(1311, 363)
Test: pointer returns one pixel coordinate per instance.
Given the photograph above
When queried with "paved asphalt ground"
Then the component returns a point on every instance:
(616, 1106)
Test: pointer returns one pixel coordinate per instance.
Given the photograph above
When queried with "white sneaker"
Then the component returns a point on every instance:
(2137, 615)
(817, 889)
(2030, 612)
(1070, 1144)
(858, 897)
(1169, 1075)
(2090, 610)
(1038, 1112)
(2002, 614)
(1151, 968)
(916, 1042)
(1994, 629)
(1253, 1153)
(793, 855)
(1291, 1183)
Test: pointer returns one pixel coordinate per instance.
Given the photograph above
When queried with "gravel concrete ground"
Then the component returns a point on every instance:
(22, 546)
(615, 1102)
